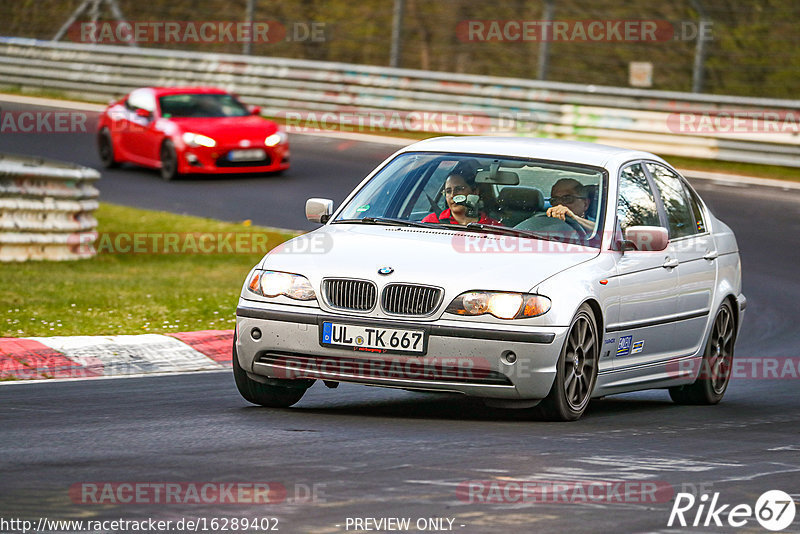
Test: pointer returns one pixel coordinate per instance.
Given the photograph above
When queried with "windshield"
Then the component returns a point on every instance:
(549, 200)
(201, 105)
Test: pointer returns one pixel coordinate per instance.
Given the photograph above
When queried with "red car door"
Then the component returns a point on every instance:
(141, 138)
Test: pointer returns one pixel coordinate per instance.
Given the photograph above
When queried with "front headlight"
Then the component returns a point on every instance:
(500, 304)
(194, 139)
(274, 284)
(276, 139)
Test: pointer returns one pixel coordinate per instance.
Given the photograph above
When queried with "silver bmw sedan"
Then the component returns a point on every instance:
(534, 274)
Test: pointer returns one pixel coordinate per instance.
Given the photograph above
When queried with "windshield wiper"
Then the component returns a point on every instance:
(387, 220)
(502, 230)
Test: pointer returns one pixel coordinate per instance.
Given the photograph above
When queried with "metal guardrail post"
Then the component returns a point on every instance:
(397, 33)
(544, 45)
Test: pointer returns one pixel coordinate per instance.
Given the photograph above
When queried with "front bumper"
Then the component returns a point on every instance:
(741, 303)
(461, 357)
(203, 160)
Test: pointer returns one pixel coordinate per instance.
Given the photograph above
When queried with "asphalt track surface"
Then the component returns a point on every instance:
(381, 453)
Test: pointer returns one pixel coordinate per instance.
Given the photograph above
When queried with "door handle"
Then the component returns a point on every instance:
(670, 263)
(711, 255)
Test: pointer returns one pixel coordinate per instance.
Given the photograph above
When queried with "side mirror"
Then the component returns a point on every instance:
(255, 110)
(319, 210)
(645, 238)
(143, 113)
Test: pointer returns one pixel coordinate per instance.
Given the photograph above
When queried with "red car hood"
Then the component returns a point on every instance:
(228, 129)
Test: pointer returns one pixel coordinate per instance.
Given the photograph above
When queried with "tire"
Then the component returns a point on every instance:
(169, 161)
(576, 370)
(716, 365)
(267, 395)
(105, 149)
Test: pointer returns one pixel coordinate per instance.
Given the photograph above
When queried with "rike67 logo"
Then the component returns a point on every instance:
(774, 510)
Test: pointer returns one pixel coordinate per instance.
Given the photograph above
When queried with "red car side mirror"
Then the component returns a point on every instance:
(143, 113)
(255, 110)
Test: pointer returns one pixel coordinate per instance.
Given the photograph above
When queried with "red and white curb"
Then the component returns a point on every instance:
(80, 357)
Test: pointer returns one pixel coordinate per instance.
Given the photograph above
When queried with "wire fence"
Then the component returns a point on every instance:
(736, 47)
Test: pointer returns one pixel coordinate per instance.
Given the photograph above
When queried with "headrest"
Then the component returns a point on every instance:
(521, 198)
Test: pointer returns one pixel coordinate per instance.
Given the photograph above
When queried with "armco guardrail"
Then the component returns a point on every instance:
(672, 123)
(46, 209)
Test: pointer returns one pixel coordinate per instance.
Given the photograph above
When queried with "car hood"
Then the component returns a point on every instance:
(224, 129)
(457, 261)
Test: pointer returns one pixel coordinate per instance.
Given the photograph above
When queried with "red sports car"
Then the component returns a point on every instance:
(187, 130)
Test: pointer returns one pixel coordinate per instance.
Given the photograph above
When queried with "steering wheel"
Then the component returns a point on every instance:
(577, 227)
(542, 223)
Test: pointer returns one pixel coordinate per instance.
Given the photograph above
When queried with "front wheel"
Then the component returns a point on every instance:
(105, 148)
(266, 394)
(576, 370)
(169, 161)
(715, 368)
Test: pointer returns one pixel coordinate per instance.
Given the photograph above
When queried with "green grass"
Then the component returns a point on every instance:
(133, 293)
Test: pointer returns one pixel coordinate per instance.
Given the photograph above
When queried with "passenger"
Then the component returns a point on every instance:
(463, 202)
(569, 198)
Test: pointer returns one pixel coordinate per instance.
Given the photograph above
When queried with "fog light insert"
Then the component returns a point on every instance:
(509, 356)
(255, 333)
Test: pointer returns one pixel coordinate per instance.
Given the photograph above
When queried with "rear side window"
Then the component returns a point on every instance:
(675, 197)
(697, 210)
(636, 205)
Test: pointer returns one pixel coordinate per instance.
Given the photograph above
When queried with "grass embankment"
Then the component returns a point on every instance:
(130, 289)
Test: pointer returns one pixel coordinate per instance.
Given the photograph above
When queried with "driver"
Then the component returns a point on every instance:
(569, 198)
(462, 198)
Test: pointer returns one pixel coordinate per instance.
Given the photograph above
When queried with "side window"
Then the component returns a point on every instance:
(141, 100)
(679, 211)
(636, 205)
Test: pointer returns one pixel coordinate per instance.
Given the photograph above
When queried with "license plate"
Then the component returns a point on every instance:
(252, 154)
(373, 338)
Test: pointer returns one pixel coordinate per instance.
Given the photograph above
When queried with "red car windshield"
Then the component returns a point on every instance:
(201, 105)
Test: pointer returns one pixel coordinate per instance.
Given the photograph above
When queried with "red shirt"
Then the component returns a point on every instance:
(446, 217)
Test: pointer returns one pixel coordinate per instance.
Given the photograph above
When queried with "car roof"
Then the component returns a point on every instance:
(546, 149)
(161, 91)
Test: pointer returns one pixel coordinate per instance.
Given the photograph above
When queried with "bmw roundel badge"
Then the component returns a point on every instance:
(385, 270)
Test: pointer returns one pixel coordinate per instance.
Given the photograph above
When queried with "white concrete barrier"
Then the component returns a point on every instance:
(46, 209)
